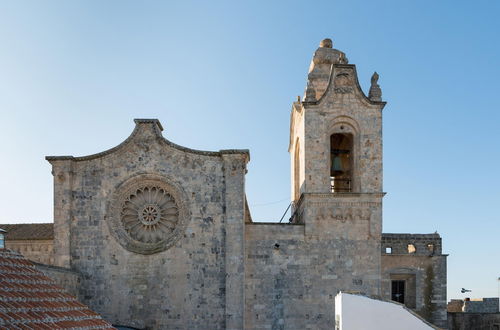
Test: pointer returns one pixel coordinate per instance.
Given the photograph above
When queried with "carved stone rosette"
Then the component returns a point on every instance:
(147, 214)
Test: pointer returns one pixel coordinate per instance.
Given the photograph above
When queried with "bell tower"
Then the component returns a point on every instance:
(336, 159)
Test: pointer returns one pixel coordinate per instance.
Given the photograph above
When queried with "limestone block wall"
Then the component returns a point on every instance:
(479, 321)
(66, 278)
(425, 244)
(344, 109)
(131, 275)
(481, 305)
(455, 306)
(41, 251)
(424, 269)
(292, 278)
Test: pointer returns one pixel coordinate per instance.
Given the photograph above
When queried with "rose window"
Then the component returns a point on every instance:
(149, 214)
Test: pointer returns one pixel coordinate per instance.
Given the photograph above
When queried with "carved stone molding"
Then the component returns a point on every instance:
(344, 204)
(147, 214)
(344, 214)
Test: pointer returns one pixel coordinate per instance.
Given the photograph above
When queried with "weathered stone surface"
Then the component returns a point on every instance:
(475, 305)
(320, 69)
(66, 278)
(161, 235)
(375, 93)
(184, 284)
(340, 241)
(292, 278)
(41, 251)
(468, 321)
(417, 259)
(483, 305)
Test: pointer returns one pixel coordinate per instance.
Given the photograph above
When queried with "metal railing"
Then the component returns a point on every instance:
(338, 185)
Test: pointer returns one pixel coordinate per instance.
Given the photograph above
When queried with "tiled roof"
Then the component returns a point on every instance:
(31, 300)
(28, 231)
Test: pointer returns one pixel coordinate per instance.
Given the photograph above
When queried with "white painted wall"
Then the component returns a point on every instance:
(356, 312)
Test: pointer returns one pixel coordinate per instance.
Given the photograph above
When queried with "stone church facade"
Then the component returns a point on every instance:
(161, 235)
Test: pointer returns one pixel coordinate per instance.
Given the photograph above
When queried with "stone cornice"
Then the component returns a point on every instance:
(157, 129)
(149, 121)
(414, 255)
(284, 224)
(328, 197)
(344, 195)
(242, 152)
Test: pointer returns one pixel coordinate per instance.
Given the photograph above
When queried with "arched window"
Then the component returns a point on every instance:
(341, 162)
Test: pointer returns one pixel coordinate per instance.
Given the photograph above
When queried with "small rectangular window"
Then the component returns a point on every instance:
(388, 250)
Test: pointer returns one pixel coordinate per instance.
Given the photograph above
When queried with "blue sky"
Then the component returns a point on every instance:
(74, 74)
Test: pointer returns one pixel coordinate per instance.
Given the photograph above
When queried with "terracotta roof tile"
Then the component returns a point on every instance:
(44, 325)
(30, 300)
(28, 231)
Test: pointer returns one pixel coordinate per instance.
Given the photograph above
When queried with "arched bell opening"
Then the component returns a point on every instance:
(341, 162)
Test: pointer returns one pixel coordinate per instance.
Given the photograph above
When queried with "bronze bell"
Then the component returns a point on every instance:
(337, 168)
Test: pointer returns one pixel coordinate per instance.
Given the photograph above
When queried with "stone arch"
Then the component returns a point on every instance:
(348, 122)
(346, 130)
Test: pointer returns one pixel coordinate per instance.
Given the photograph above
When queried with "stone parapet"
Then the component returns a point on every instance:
(64, 277)
(481, 305)
(416, 244)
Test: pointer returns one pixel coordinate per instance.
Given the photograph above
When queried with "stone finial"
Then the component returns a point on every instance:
(326, 43)
(343, 59)
(375, 93)
(321, 69)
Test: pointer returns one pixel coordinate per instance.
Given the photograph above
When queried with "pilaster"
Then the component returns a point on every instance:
(62, 170)
(234, 174)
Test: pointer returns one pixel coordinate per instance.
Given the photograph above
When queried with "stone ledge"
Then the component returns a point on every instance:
(275, 223)
(408, 235)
